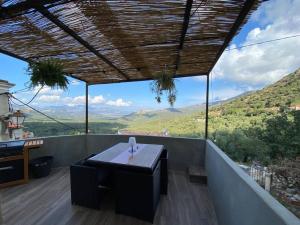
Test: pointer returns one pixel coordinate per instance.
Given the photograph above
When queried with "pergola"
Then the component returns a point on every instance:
(122, 41)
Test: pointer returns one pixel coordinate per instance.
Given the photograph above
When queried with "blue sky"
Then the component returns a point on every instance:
(237, 71)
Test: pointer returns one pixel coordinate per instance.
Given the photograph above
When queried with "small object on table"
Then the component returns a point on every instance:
(132, 143)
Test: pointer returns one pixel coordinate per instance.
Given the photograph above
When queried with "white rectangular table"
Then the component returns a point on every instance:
(145, 156)
(136, 177)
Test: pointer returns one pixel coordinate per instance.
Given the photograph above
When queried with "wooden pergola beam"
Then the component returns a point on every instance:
(117, 36)
(13, 55)
(148, 79)
(120, 81)
(29, 60)
(22, 8)
(234, 29)
(185, 25)
(45, 12)
(118, 73)
(167, 43)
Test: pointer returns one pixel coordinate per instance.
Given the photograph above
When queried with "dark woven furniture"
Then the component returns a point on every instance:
(138, 193)
(88, 184)
(164, 172)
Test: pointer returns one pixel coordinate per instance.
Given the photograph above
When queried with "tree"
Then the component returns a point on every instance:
(282, 134)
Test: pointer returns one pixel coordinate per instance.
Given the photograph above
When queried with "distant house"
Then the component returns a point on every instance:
(164, 133)
(295, 107)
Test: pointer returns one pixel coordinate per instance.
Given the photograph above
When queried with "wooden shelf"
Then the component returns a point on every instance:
(10, 158)
(32, 144)
(13, 183)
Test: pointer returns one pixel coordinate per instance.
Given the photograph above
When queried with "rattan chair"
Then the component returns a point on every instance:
(88, 184)
(164, 172)
(138, 193)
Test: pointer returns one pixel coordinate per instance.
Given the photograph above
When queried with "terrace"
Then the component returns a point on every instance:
(125, 41)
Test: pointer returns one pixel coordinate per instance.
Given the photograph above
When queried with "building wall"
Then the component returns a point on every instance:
(4, 87)
(238, 199)
(183, 152)
(64, 149)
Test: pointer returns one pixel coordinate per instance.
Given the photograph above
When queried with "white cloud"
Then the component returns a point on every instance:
(49, 98)
(75, 82)
(260, 65)
(80, 100)
(200, 78)
(97, 99)
(47, 90)
(119, 102)
(225, 93)
(217, 94)
(55, 96)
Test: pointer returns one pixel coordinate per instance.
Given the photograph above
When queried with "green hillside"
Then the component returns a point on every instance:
(240, 126)
(241, 112)
(283, 93)
(263, 125)
(252, 109)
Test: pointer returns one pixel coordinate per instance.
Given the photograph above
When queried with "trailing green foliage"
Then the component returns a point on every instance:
(164, 82)
(49, 72)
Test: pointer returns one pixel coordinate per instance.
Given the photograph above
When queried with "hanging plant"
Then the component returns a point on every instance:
(49, 72)
(164, 82)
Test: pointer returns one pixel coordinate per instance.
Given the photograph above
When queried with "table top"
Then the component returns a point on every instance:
(145, 155)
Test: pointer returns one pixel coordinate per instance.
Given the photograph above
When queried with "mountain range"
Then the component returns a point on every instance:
(284, 92)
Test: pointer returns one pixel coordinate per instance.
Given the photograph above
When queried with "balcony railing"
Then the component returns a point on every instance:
(237, 199)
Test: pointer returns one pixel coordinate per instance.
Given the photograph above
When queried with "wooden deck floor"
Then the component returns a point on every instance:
(46, 201)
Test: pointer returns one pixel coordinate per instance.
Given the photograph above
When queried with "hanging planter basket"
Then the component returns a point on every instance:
(49, 72)
(164, 83)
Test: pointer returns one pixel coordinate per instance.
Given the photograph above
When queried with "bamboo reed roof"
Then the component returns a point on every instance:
(117, 41)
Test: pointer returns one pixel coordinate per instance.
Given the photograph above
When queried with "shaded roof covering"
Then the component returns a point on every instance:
(116, 41)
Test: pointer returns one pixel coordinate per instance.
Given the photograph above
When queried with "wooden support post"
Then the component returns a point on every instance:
(185, 25)
(54, 19)
(86, 108)
(207, 104)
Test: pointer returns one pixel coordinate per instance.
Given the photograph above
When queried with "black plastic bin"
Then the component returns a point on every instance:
(41, 167)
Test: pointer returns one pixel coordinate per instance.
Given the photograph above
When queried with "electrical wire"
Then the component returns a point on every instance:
(35, 95)
(198, 13)
(263, 42)
(243, 46)
(31, 98)
(12, 101)
(21, 90)
(49, 117)
(27, 88)
(200, 4)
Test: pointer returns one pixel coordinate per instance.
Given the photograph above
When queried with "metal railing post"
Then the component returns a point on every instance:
(86, 108)
(207, 103)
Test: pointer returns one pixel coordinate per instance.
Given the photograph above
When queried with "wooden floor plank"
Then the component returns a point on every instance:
(46, 201)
